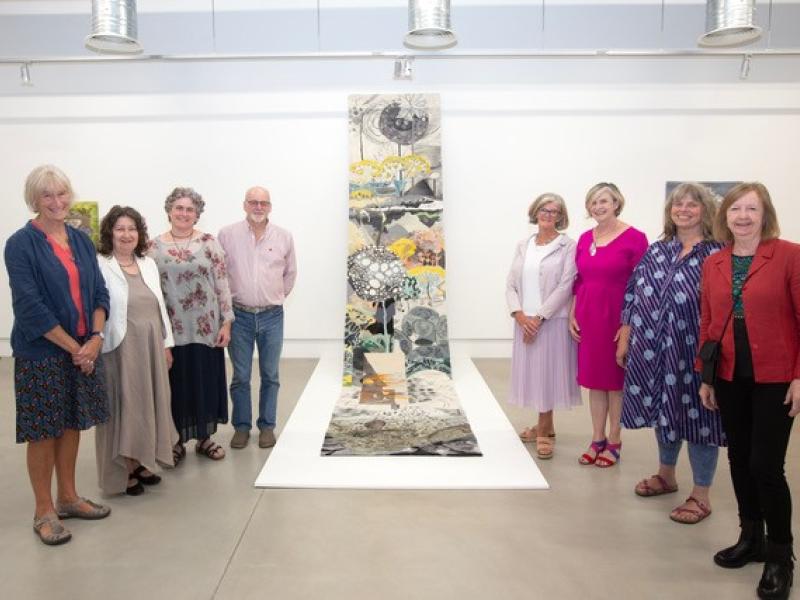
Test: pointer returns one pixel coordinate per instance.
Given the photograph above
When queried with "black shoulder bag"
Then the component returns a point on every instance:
(709, 355)
(710, 351)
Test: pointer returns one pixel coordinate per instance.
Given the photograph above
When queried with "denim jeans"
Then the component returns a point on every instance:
(264, 329)
(702, 458)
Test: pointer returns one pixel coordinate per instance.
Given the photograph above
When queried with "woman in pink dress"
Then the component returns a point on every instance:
(605, 257)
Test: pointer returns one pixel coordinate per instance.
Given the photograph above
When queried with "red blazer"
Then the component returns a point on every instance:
(771, 297)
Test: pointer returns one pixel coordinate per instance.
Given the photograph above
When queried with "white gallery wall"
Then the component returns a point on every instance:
(128, 134)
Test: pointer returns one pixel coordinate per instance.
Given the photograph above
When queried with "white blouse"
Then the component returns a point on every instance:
(531, 296)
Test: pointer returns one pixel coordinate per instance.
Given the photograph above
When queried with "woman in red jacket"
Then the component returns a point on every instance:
(750, 302)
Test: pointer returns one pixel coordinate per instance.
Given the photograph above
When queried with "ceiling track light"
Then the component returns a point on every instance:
(25, 75)
(429, 25)
(730, 23)
(114, 27)
(404, 68)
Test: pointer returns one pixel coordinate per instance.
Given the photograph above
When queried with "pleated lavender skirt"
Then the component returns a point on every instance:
(543, 373)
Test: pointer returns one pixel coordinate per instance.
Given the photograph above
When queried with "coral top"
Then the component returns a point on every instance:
(599, 292)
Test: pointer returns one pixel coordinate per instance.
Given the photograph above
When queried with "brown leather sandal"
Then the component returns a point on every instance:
(690, 516)
(545, 447)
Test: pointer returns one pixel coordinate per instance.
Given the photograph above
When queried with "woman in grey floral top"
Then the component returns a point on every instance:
(198, 299)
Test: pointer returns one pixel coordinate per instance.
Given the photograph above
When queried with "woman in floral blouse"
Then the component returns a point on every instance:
(195, 286)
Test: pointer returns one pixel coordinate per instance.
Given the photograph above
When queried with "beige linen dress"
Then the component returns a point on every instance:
(140, 421)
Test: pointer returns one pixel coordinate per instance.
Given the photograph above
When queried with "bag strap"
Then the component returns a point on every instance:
(735, 298)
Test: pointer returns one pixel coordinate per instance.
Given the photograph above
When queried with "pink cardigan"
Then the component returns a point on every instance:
(556, 275)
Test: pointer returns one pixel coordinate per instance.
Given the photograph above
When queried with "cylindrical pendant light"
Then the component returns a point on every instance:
(730, 23)
(114, 28)
(429, 25)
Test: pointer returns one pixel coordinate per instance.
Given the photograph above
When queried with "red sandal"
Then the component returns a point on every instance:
(590, 456)
(609, 456)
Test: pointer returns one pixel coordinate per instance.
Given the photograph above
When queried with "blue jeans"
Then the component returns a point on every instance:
(702, 458)
(266, 330)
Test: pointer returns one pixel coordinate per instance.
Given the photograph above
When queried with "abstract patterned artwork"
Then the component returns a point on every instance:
(397, 396)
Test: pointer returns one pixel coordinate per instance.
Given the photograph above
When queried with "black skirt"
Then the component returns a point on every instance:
(199, 391)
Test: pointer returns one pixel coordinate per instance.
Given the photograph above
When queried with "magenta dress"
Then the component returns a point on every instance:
(599, 294)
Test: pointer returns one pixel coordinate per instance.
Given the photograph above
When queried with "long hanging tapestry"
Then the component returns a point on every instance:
(397, 396)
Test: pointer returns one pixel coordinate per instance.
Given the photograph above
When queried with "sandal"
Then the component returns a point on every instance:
(137, 489)
(590, 456)
(55, 533)
(646, 490)
(690, 516)
(529, 434)
(178, 453)
(609, 456)
(544, 447)
(151, 479)
(77, 510)
(210, 449)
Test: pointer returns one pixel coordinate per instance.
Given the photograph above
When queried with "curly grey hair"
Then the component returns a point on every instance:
(185, 192)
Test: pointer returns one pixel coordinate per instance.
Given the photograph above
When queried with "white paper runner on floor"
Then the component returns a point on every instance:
(295, 462)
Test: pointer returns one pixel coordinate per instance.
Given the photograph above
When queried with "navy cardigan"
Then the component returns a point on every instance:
(40, 289)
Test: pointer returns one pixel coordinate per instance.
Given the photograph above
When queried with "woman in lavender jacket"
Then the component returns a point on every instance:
(538, 292)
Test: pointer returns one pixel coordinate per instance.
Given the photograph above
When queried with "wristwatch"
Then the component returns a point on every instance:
(540, 317)
(97, 333)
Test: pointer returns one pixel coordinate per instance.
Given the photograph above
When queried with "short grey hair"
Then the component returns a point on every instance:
(185, 192)
(42, 178)
(546, 198)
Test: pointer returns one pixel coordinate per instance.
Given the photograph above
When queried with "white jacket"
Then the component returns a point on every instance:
(117, 285)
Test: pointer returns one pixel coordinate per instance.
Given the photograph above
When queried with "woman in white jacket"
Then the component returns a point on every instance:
(538, 293)
(139, 434)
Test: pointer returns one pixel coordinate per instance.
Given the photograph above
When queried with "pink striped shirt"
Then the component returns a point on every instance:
(260, 272)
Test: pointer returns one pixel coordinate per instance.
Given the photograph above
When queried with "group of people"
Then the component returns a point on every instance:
(696, 336)
(130, 338)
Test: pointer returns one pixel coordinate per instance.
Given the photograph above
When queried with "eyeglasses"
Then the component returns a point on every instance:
(553, 212)
(256, 203)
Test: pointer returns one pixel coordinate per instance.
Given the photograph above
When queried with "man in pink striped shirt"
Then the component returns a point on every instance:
(261, 266)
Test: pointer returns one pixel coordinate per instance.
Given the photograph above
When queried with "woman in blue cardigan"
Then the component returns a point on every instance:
(60, 305)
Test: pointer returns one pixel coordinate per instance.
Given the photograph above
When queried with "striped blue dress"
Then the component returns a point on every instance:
(662, 307)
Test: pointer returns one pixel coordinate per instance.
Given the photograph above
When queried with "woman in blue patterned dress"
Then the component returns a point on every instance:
(657, 347)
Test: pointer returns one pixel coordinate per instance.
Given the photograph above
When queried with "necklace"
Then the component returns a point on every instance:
(596, 238)
(130, 264)
(542, 241)
(180, 237)
(185, 240)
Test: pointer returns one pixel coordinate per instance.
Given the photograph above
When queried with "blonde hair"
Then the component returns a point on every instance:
(698, 193)
(601, 187)
(41, 179)
(769, 227)
(536, 206)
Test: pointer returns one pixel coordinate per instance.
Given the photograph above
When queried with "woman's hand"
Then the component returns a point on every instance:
(86, 357)
(168, 356)
(224, 335)
(622, 337)
(793, 397)
(574, 328)
(707, 397)
(529, 325)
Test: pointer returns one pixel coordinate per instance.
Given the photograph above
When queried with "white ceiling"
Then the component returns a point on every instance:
(56, 28)
(35, 30)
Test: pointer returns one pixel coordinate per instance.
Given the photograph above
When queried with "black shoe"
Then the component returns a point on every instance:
(776, 580)
(151, 479)
(135, 490)
(749, 548)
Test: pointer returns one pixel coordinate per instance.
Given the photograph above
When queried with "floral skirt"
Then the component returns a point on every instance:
(53, 395)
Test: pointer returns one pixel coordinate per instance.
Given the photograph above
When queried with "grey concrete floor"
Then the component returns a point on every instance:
(205, 532)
